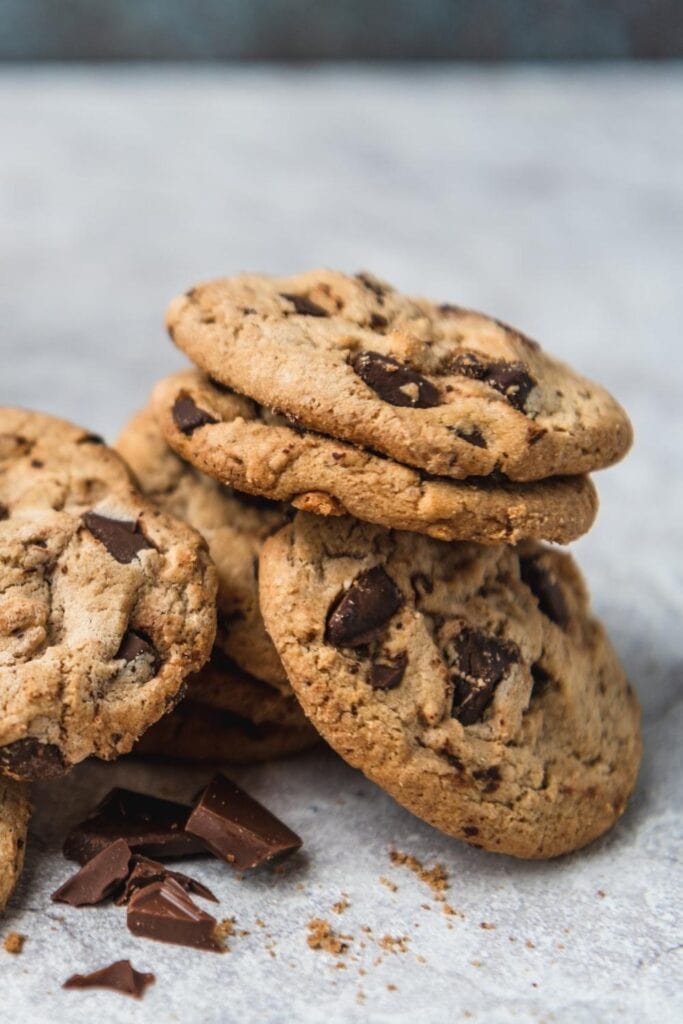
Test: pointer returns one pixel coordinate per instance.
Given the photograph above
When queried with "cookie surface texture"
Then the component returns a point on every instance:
(14, 816)
(472, 683)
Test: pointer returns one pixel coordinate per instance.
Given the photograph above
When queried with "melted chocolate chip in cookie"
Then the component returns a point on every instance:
(122, 538)
(394, 382)
(512, 380)
(304, 306)
(479, 662)
(187, 416)
(133, 645)
(360, 614)
(545, 587)
(388, 675)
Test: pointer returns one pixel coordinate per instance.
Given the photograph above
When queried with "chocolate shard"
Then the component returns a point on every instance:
(148, 824)
(145, 871)
(304, 306)
(187, 415)
(120, 977)
(545, 587)
(388, 675)
(362, 611)
(30, 759)
(237, 828)
(122, 538)
(395, 382)
(163, 911)
(511, 379)
(98, 878)
(134, 644)
(480, 663)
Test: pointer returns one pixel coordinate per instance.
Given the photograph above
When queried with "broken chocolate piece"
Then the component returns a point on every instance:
(395, 382)
(187, 416)
(133, 645)
(364, 609)
(148, 824)
(145, 871)
(120, 977)
(237, 828)
(163, 911)
(98, 878)
(481, 661)
(304, 306)
(30, 759)
(512, 380)
(122, 538)
(388, 675)
(545, 587)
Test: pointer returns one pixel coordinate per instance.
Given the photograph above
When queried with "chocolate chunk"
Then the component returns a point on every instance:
(359, 615)
(163, 911)
(133, 645)
(512, 380)
(90, 439)
(395, 382)
(237, 828)
(489, 776)
(120, 977)
(388, 675)
(98, 878)
(472, 435)
(145, 871)
(122, 538)
(545, 587)
(481, 662)
(471, 830)
(4, 512)
(378, 322)
(372, 284)
(187, 416)
(31, 759)
(304, 306)
(148, 824)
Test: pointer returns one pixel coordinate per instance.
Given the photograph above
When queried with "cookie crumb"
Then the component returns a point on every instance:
(388, 883)
(487, 926)
(260, 922)
(391, 988)
(436, 878)
(530, 945)
(342, 904)
(14, 943)
(601, 893)
(395, 943)
(322, 936)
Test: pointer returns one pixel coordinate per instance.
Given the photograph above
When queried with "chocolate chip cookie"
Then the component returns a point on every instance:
(228, 715)
(240, 443)
(439, 387)
(106, 604)
(14, 814)
(471, 682)
(234, 526)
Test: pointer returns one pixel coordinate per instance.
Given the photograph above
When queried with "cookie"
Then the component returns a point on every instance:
(234, 526)
(472, 683)
(230, 716)
(106, 604)
(229, 437)
(439, 387)
(14, 814)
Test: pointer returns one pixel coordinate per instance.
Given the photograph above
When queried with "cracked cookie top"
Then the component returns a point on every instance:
(471, 682)
(106, 604)
(234, 526)
(231, 438)
(436, 386)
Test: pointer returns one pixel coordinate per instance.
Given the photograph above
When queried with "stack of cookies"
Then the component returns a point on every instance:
(427, 632)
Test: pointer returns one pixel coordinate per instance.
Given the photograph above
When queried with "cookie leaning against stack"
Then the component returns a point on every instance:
(470, 681)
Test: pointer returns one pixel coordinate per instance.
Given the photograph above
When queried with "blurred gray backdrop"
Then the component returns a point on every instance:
(489, 30)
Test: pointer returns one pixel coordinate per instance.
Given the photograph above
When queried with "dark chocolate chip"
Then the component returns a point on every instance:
(37, 463)
(447, 309)
(122, 538)
(545, 587)
(421, 584)
(512, 380)
(490, 776)
(395, 382)
(163, 911)
(237, 828)
(481, 662)
(472, 435)
(90, 439)
(542, 681)
(120, 977)
(30, 759)
(471, 830)
(304, 306)
(145, 871)
(378, 322)
(148, 824)
(4, 512)
(374, 286)
(362, 611)
(135, 644)
(187, 415)
(98, 878)
(388, 675)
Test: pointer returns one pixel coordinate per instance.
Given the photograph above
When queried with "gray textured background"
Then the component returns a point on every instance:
(322, 29)
(552, 199)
